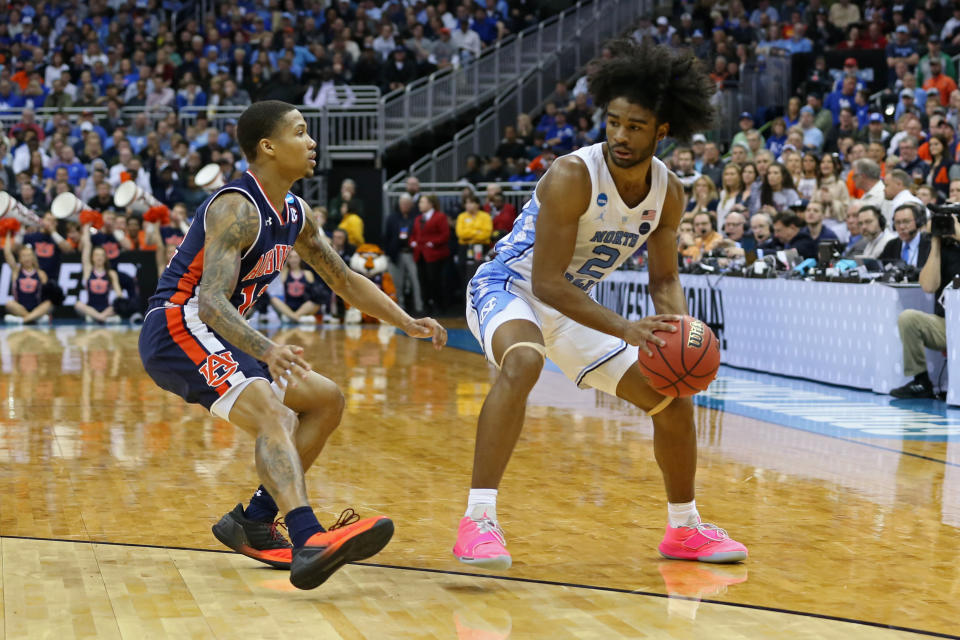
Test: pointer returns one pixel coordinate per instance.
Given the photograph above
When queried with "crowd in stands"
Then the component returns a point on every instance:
(854, 156)
(850, 147)
(93, 94)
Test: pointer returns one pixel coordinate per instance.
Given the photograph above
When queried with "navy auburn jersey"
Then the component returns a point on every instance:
(48, 252)
(259, 264)
(26, 289)
(98, 290)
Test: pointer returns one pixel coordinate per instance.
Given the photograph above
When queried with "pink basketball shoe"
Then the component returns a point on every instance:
(480, 543)
(702, 542)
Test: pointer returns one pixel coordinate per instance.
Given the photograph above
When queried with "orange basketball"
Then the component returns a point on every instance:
(687, 364)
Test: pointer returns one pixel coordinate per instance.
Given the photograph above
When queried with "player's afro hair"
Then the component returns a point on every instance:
(259, 121)
(673, 85)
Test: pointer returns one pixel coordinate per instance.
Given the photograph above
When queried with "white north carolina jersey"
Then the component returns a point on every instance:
(609, 232)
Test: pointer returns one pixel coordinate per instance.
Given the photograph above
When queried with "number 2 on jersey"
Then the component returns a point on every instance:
(606, 262)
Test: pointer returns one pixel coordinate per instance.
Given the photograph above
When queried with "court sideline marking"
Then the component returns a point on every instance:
(551, 583)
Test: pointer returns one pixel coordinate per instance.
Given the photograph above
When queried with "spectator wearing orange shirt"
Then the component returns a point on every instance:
(705, 237)
(22, 77)
(142, 239)
(940, 81)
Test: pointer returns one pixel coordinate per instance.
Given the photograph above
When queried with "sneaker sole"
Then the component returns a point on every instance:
(311, 574)
(726, 557)
(231, 534)
(496, 563)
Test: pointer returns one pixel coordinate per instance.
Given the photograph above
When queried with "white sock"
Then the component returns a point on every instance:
(482, 501)
(682, 513)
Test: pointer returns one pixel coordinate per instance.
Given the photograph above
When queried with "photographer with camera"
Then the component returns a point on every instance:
(918, 329)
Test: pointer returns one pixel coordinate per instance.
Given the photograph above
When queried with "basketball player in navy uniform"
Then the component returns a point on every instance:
(592, 210)
(196, 343)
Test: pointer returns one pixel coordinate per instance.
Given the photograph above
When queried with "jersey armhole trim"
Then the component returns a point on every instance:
(252, 201)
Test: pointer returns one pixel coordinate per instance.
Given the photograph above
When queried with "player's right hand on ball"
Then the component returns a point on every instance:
(286, 364)
(641, 333)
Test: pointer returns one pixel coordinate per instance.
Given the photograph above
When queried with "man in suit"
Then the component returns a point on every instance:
(788, 228)
(911, 245)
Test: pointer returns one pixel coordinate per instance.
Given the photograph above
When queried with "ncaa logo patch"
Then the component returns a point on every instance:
(602, 200)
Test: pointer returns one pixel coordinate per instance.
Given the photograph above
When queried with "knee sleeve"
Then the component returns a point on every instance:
(536, 346)
(663, 404)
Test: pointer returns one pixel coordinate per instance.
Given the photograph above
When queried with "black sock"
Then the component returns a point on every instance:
(262, 508)
(301, 524)
(923, 378)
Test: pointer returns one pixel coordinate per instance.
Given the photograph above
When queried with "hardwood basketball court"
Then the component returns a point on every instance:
(109, 486)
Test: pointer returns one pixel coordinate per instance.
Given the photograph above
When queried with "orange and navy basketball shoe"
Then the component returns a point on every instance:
(350, 539)
(258, 540)
(701, 542)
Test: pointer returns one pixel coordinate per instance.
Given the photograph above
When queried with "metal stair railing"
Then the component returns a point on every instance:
(443, 95)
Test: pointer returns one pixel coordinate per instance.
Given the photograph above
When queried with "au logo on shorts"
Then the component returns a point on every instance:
(218, 367)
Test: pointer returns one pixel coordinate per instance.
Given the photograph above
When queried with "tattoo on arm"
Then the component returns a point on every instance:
(232, 225)
(316, 250)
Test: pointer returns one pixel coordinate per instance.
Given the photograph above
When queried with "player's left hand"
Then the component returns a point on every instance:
(427, 328)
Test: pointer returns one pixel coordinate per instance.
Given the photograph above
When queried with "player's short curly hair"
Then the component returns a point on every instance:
(673, 85)
(259, 121)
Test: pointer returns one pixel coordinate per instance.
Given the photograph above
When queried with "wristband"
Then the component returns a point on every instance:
(57, 237)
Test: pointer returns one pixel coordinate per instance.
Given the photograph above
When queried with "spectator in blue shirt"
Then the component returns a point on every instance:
(100, 77)
(910, 102)
(846, 97)
(763, 7)
(548, 119)
(129, 72)
(484, 25)
(560, 136)
(777, 137)
(87, 117)
(191, 95)
(798, 43)
(76, 172)
(901, 49)
(27, 37)
(812, 136)
(10, 98)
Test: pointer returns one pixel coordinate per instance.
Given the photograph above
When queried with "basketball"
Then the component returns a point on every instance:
(687, 363)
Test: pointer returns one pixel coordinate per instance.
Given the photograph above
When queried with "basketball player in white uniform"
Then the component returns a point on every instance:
(591, 211)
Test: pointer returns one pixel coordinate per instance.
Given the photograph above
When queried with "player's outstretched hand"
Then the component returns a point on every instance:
(286, 364)
(427, 328)
(641, 332)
